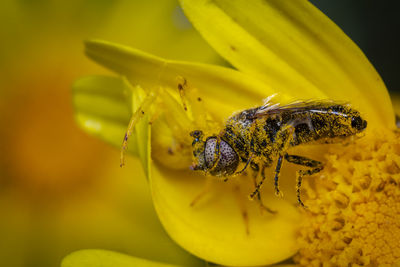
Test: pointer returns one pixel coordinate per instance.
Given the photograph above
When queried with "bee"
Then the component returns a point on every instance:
(260, 136)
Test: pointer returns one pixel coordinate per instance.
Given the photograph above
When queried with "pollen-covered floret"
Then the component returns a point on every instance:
(354, 207)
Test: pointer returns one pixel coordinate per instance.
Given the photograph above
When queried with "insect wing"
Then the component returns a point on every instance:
(299, 106)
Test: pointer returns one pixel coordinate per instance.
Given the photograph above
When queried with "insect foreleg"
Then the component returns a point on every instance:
(139, 113)
(245, 166)
(252, 130)
(315, 165)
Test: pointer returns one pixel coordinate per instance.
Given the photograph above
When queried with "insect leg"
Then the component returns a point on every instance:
(259, 199)
(139, 113)
(192, 102)
(276, 179)
(245, 166)
(182, 86)
(284, 138)
(316, 166)
(252, 129)
(155, 116)
(256, 171)
(258, 185)
(300, 160)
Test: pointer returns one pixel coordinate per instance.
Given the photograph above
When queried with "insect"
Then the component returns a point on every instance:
(260, 136)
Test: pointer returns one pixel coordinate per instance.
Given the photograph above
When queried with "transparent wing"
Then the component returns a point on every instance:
(298, 106)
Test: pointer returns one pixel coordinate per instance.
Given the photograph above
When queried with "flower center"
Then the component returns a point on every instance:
(354, 214)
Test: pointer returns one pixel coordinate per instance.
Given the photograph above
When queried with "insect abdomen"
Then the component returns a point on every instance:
(327, 124)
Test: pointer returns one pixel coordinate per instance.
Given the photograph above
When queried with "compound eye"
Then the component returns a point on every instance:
(228, 160)
(210, 153)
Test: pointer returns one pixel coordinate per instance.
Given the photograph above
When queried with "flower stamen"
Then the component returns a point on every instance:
(354, 213)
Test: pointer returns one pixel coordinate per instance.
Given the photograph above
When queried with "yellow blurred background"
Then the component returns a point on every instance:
(60, 189)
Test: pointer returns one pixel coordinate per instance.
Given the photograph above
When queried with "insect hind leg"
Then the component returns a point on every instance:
(316, 166)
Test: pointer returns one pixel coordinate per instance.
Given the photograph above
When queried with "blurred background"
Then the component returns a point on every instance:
(375, 27)
(60, 189)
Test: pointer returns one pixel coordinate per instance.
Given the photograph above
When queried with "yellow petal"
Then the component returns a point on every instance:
(214, 228)
(294, 48)
(105, 258)
(224, 90)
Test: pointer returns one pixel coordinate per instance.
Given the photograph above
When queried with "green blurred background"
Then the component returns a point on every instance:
(374, 26)
(60, 189)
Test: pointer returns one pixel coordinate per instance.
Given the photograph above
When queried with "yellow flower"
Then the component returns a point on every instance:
(284, 47)
(354, 214)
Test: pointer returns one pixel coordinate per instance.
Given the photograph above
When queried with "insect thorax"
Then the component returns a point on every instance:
(250, 137)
